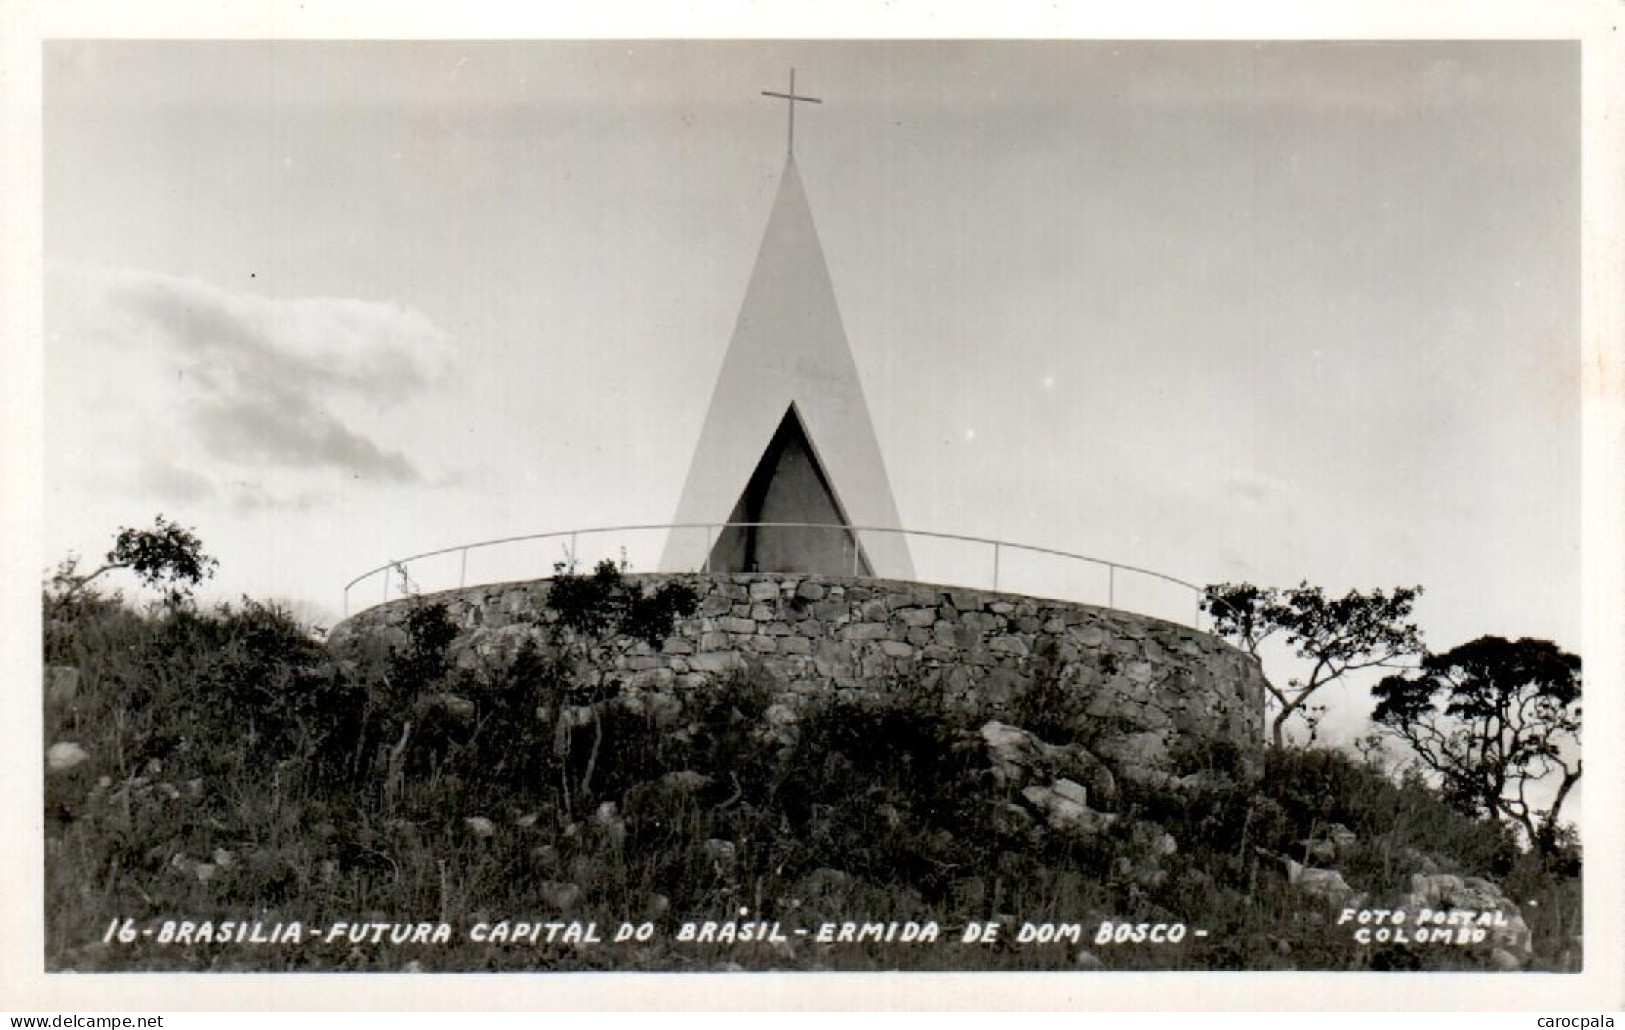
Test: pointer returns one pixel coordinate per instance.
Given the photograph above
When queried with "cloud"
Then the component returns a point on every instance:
(169, 481)
(274, 385)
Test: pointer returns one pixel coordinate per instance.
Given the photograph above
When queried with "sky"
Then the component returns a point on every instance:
(1264, 312)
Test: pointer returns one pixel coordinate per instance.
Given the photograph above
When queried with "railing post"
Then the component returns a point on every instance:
(572, 551)
(346, 602)
(462, 572)
(854, 554)
(995, 565)
(1111, 585)
(386, 583)
(710, 545)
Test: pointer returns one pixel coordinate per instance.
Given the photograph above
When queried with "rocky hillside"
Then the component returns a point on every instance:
(256, 800)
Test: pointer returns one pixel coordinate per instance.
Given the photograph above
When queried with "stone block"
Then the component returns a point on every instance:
(810, 591)
(832, 612)
(896, 649)
(921, 617)
(736, 625)
(832, 660)
(1009, 644)
(776, 629)
(794, 645)
(677, 645)
(712, 642)
(764, 590)
(761, 612)
(865, 631)
(875, 611)
(717, 662)
(965, 600)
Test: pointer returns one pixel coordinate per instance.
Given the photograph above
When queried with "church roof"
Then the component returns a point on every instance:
(789, 347)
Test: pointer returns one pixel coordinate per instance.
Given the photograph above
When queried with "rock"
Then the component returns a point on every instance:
(65, 755)
(1341, 836)
(1065, 814)
(685, 781)
(559, 896)
(764, 590)
(527, 820)
(722, 854)
(413, 966)
(1323, 883)
(657, 906)
(810, 591)
(1071, 791)
(1430, 890)
(61, 685)
(1504, 960)
(1318, 850)
(1018, 757)
(718, 662)
(1141, 756)
(204, 871)
(608, 820)
(860, 631)
(1009, 644)
(223, 858)
(1087, 960)
(480, 826)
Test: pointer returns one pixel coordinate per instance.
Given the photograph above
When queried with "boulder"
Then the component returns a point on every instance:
(722, 854)
(1322, 883)
(560, 896)
(1063, 812)
(61, 685)
(1018, 757)
(65, 755)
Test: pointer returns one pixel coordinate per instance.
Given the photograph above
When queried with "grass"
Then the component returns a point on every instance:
(237, 770)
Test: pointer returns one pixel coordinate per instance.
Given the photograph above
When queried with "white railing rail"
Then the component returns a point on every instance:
(998, 549)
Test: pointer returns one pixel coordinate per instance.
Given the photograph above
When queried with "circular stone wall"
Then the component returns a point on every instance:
(1147, 694)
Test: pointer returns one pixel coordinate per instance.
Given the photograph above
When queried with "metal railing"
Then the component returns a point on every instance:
(999, 552)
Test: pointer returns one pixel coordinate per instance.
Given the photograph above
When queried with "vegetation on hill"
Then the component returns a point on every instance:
(222, 764)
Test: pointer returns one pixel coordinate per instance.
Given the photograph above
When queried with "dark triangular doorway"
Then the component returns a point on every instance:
(789, 485)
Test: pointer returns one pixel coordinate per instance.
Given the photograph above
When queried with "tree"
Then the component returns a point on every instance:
(1334, 635)
(1490, 718)
(166, 556)
(599, 619)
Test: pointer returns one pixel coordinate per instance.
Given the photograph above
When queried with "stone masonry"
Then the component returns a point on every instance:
(1139, 688)
(1142, 687)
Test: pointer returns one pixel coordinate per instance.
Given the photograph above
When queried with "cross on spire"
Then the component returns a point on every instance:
(790, 98)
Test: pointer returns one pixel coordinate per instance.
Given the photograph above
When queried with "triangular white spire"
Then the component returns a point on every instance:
(789, 348)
